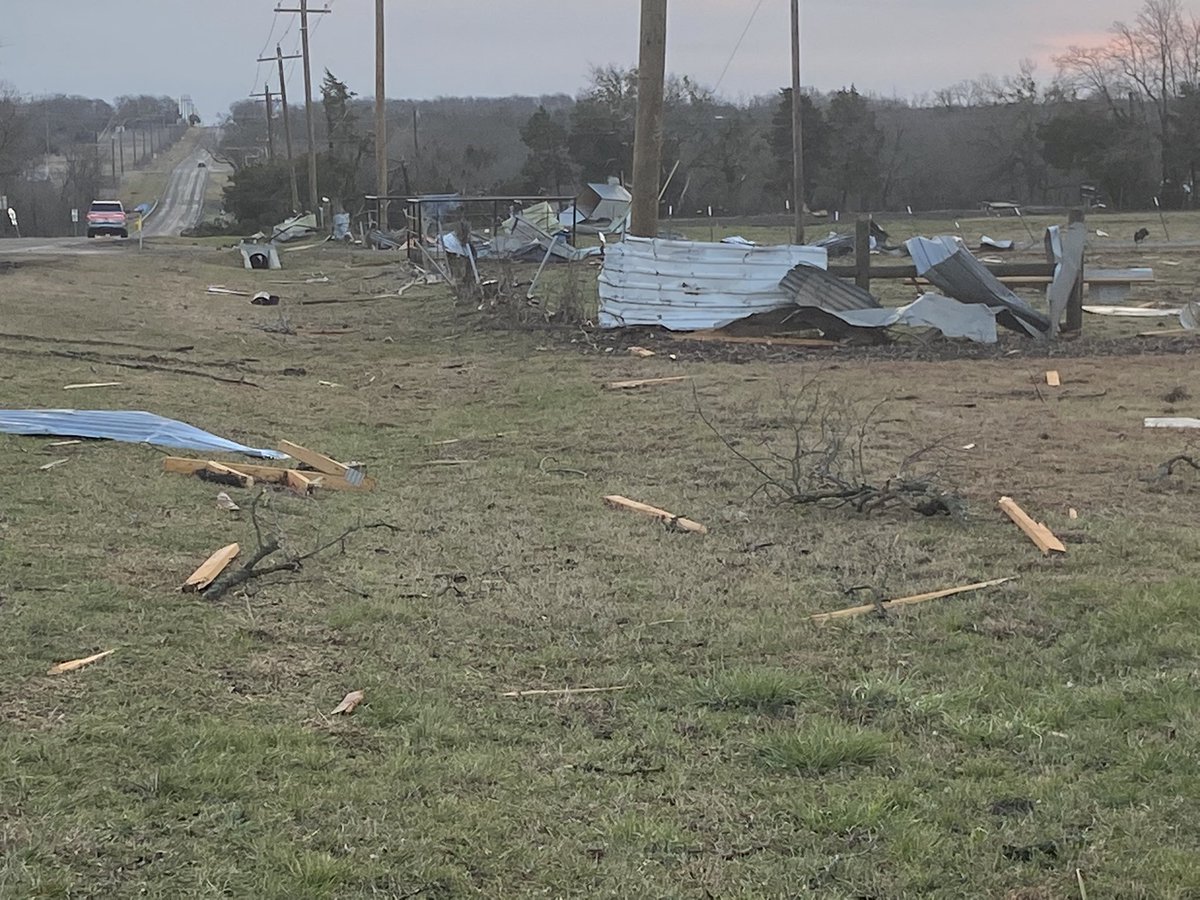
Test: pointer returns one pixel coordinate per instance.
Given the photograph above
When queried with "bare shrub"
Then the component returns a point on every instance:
(827, 459)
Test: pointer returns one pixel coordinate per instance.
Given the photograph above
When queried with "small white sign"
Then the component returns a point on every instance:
(74, 215)
(12, 216)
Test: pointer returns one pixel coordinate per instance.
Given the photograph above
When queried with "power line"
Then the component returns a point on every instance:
(263, 51)
(737, 46)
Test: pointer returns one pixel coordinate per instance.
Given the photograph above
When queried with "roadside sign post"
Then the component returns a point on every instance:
(12, 217)
(75, 222)
(141, 216)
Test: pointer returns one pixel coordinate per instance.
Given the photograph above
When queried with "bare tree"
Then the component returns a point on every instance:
(1154, 59)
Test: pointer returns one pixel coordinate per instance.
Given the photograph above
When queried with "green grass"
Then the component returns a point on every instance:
(985, 745)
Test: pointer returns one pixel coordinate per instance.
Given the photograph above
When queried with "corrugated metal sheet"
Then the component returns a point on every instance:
(809, 286)
(686, 285)
(949, 265)
(119, 425)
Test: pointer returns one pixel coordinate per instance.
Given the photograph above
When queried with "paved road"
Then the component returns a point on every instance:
(182, 205)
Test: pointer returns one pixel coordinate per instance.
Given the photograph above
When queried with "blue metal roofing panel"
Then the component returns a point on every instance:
(120, 425)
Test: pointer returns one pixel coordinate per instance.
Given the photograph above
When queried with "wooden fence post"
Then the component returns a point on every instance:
(862, 253)
(1075, 304)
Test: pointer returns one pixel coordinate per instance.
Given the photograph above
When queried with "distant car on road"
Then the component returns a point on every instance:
(107, 217)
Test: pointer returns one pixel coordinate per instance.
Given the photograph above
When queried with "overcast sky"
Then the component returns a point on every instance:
(500, 47)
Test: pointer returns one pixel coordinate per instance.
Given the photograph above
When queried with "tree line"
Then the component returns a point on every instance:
(1117, 123)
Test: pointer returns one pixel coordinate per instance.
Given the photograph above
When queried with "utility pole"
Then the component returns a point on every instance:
(266, 95)
(313, 196)
(112, 157)
(121, 149)
(287, 123)
(797, 127)
(647, 142)
(381, 142)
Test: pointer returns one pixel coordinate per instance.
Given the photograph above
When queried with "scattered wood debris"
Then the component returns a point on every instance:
(1053, 379)
(349, 703)
(91, 384)
(317, 470)
(51, 465)
(641, 352)
(906, 601)
(63, 443)
(211, 568)
(74, 664)
(674, 522)
(644, 382)
(1072, 514)
(225, 502)
(1035, 531)
(564, 692)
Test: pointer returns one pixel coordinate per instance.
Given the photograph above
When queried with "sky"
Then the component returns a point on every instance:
(207, 50)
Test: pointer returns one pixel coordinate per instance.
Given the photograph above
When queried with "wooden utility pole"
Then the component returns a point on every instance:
(381, 142)
(314, 197)
(797, 128)
(647, 142)
(287, 124)
(267, 95)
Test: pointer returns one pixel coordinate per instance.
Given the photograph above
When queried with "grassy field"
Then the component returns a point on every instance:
(1011, 743)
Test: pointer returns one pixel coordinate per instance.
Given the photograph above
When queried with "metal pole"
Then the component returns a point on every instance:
(797, 127)
(381, 143)
(647, 142)
(314, 198)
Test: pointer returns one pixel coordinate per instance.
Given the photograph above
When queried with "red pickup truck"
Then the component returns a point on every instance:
(107, 217)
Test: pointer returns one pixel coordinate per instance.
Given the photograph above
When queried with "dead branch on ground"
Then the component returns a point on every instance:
(826, 460)
(1167, 469)
(287, 561)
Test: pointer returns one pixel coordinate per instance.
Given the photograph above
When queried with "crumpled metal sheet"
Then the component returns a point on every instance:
(120, 425)
(952, 318)
(949, 265)
(686, 285)
(809, 286)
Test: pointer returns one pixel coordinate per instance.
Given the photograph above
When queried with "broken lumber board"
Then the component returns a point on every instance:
(717, 337)
(180, 465)
(1053, 379)
(644, 382)
(618, 502)
(907, 601)
(302, 483)
(1172, 422)
(72, 665)
(222, 474)
(91, 384)
(318, 461)
(1035, 531)
(1170, 332)
(211, 568)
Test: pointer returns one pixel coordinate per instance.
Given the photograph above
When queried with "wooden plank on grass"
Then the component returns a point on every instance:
(311, 458)
(225, 475)
(618, 502)
(74, 664)
(1053, 379)
(717, 337)
(180, 465)
(644, 382)
(564, 692)
(91, 384)
(906, 601)
(1035, 531)
(211, 568)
